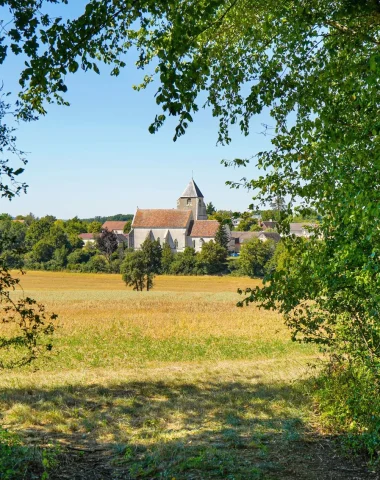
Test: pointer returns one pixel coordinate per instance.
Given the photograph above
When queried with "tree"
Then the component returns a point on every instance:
(152, 252)
(254, 255)
(212, 258)
(221, 237)
(94, 227)
(167, 258)
(223, 216)
(210, 209)
(269, 216)
(136, 272)
(107, 243)
(185, 263)
(128, 226)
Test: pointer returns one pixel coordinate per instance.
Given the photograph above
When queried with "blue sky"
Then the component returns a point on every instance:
(97, 157)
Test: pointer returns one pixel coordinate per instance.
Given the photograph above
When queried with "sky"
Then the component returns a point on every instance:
(97, 157)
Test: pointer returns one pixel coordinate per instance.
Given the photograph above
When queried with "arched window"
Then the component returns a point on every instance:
(176, 243)
(189, 201)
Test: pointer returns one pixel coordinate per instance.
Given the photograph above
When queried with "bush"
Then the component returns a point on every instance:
(96, 264)
(254, 255)
(185, 263)
(212, 258)
(349, 399)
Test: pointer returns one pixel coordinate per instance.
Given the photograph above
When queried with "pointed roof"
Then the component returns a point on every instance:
(192, 191)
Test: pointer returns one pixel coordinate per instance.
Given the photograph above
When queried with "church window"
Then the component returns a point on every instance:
(193, 243)
(189, 201)
(176, 243)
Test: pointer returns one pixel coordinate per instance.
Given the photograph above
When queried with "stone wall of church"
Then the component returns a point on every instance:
(179, 234)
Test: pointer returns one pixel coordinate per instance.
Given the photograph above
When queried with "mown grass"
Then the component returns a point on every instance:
(173, 383)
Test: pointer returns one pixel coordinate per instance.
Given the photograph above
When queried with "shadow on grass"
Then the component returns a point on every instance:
(174, 430)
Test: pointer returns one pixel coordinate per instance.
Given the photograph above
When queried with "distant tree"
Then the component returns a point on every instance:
(278, 204)
(75, 226)
(57, 236)
(212, 258)
(255, 228)
(136, 272)
(107, 243)
(39, 229)
(42, 251)
(167, 258)
(223, 216)
(210, 209)
(254, 255)
(221, 237)
(152, 253)
(5, 216)
(185, 263)
(94, 227)
(269, 215)
(127, 226)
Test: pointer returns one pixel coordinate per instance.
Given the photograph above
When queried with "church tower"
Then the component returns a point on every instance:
(192, 199)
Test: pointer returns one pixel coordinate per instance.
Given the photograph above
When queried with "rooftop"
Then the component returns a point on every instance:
(111, 225)
(161, 218)
(204, 228)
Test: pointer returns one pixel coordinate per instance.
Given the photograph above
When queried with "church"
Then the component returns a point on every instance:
(186, 226)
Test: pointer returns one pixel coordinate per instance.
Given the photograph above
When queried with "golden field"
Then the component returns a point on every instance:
(174, 383)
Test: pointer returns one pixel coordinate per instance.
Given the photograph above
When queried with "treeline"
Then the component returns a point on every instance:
(119, 217)
(50, 244)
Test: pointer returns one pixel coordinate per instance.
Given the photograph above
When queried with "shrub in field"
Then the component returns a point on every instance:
(349, 400)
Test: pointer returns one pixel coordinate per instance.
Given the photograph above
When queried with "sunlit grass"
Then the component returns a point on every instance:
(173, 383)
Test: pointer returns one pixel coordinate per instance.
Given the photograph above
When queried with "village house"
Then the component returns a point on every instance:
(238, 238)
(186, 226)
(115, 227)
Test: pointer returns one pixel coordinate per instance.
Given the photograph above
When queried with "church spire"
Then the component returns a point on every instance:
(192, 191)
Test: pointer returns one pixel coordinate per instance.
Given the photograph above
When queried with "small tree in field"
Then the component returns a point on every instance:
(152, 251)
(107, 243)
(136, 272)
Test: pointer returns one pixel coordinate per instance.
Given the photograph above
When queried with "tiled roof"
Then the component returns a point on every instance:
(204, 228)
(192, 190)
(300, 226)
(109, 225)
(242, 236)
(269, 224)
(86, 236)
(160, 218)
(270, 235)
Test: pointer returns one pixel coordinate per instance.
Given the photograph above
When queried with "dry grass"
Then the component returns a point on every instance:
(172, 383)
